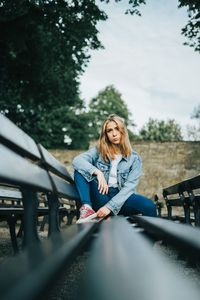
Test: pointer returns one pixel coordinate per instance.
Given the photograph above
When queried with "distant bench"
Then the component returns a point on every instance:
(121, 263)
(12, 210)
(185, 195)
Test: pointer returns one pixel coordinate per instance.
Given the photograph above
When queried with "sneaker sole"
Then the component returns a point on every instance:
(96, 220)
(80, 221)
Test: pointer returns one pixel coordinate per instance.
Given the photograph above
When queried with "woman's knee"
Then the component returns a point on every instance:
(151, 210)
(142, 204)
(79, 178)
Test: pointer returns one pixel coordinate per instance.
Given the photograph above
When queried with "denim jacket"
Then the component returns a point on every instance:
(129, 171)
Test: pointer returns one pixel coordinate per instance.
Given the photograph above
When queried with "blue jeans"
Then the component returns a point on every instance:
(89, 194)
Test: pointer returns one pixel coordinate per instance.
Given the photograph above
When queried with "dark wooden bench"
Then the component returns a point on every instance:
(121, 262)
(12, 210)
(185, 195)
(124, 265)
(27, 170)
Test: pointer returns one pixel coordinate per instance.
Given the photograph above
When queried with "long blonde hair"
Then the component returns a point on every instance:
(105, 147)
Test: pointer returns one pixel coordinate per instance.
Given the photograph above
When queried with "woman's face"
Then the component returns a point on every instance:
(113, 133)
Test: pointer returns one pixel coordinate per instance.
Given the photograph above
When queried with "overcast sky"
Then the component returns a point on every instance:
(144, 58)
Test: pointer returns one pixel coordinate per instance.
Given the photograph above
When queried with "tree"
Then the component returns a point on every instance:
(192, 28)
(196, 113)
(44, 47)
(108, 101)
(193, 132)
(43, 50)
(161, 131)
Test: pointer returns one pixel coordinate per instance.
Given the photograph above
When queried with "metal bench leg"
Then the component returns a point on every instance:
(187, 213)
(159, 210)
(53, 204)
(169, 212)
(30, 202)
(70, 218)
(12, 222)
(197, 216)
(45, 220)
(21, 229)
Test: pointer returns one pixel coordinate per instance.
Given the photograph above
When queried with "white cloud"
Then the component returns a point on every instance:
(145, 60)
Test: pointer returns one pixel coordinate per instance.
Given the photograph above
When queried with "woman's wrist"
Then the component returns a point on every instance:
(96, 172)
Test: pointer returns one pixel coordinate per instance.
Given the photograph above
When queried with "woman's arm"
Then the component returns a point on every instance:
(84, 163)
(102, 184)
(128, 189)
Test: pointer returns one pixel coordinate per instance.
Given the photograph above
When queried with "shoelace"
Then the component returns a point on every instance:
(83, 211)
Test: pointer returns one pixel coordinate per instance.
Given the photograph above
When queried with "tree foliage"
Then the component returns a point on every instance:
(193, 131)
(192, 28)
(160, 131)
(108, 101)
(196, 113)
(43, 50)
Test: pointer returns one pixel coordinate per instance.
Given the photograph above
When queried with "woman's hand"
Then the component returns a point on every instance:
(103, 212)
(102, 184)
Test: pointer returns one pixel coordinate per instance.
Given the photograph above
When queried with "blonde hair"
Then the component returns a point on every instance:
(105, 147)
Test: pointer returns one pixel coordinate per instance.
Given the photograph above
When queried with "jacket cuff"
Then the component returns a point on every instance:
(87, 175)
(112, 207)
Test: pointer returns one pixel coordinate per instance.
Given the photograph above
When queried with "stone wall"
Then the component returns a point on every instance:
(164, 164)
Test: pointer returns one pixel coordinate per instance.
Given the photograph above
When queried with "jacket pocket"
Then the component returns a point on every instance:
(101, 166)
(123, 177)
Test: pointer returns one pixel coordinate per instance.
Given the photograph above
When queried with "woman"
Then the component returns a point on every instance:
(106, 176)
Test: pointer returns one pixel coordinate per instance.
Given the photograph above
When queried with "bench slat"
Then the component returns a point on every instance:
(192, 183)
(184, 237)
(10, 194)
(65, 189)
(123, 265)
(174, 202)
(174, 189)
(54, 165)
(21, 143)
(28, 275)
(16, 170)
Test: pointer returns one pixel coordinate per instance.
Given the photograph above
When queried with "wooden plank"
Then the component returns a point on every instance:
(192, 183)
(10, 194)
(65, 189)
(123, 265)
(34, 271)
(174, 202)
(11, 210)
(188, 184)
(16, 170)
(182, 236)
(13, 137)
(54, 165)
(174, 189)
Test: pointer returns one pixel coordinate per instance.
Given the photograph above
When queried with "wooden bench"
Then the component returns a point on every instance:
(185, 195)
(12, 210)
(124, 265)
(27, 170)
(121, 264)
